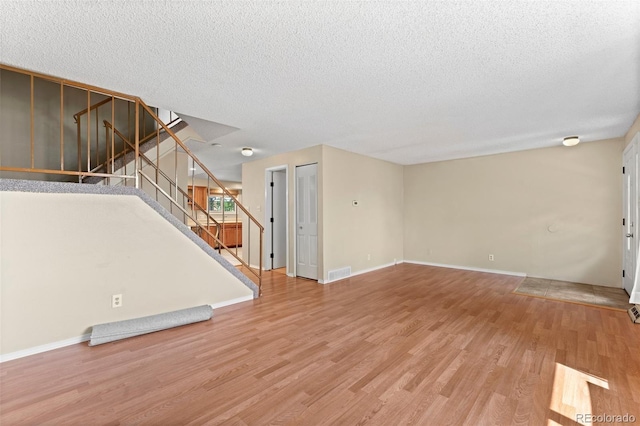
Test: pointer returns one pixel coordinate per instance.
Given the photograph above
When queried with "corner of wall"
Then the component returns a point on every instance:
(635, 128)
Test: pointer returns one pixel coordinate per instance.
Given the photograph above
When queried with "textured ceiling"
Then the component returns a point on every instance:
(408, 82)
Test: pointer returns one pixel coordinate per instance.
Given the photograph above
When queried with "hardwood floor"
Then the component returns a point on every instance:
(405, 345)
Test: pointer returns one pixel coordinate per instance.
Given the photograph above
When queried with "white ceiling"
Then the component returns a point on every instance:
(408, 82)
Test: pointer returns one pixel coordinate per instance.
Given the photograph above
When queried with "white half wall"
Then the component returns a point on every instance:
(64, 255)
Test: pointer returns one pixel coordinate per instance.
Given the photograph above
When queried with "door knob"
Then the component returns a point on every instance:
(629, 235)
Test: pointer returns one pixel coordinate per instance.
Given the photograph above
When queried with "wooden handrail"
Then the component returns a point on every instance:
(198, 225)
(226, 192)
(77, 115)
(63, 172)
(199, 163)
(120, 154)
(69, 83)
(164, 175)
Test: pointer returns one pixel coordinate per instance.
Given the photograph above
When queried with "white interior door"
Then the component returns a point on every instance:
(630, 216)
(307, 221)
(279, 222)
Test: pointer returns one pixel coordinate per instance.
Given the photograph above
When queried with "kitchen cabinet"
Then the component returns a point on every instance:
(200, 195)
(230, 234)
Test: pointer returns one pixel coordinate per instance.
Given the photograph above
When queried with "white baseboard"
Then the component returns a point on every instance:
(231, 302)
(85, 337)
(44, 348)
(468, 268)
(364, 271)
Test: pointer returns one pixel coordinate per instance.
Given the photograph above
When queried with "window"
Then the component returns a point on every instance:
(218, 202)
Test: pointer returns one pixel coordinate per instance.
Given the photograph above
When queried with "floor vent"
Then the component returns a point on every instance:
(337, 274)
(634, 313)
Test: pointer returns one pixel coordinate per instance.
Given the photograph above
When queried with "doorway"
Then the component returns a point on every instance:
(307, 221)
(630, 215)
(276, 218)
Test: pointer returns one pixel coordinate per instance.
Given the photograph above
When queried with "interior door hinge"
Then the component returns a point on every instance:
(622, 169)
(623, 273)
(623, 221)
(271, 255)
(271, 220)
(271, 183)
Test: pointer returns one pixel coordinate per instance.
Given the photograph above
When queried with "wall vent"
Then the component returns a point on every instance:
(337, 274)
(634, 313)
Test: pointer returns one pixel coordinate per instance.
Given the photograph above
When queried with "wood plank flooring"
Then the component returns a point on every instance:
(406, 345)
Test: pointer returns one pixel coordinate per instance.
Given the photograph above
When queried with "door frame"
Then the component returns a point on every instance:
(267, 216)
(295, 216)
(632, 149)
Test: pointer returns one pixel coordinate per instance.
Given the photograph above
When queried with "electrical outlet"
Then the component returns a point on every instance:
(491, 259)
(116, 301)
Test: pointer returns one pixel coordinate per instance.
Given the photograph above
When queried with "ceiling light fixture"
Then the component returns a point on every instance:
(571, 141)
(247, 152)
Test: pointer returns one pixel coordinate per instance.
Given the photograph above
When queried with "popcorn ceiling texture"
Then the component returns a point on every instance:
(408, 82)
(74, 188)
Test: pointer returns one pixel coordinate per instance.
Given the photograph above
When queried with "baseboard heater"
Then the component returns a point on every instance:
(112, 331)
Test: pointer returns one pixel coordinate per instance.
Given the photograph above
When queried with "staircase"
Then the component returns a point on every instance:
(95, 136)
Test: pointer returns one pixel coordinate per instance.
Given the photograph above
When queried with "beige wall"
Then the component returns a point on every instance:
(363, 237)
(635, 128)
(369, 235)
(552, 213)
(253, 195)
(57, 273)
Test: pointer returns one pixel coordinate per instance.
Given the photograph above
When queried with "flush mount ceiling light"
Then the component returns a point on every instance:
(571, 141)
(247, 152)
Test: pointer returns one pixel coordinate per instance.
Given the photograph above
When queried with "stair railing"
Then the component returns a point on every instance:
(199, 210)
(251, 226)
(35, 155)
(92, 156)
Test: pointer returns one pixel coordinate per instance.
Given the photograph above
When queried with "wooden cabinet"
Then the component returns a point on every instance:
(205, 236)
(230, 234)
(199, 195)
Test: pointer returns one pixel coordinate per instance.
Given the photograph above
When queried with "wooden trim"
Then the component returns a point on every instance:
(33, 131)
(61, 172)
(217, 191)
(77, 115)
(61, 127)
(66, 82)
